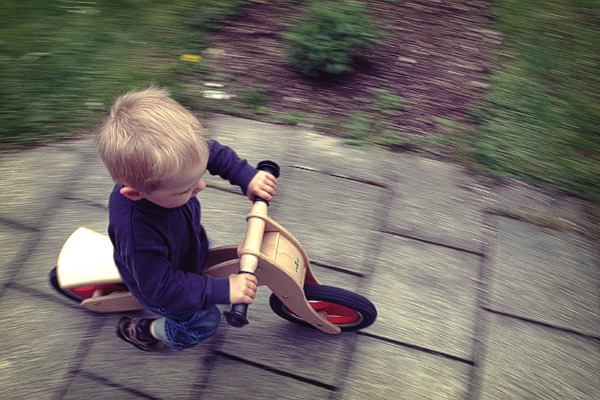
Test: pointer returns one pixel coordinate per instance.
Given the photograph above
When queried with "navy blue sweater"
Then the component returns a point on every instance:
(160, 252)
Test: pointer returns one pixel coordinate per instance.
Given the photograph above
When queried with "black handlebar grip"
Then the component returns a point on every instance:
(237, 316)
(270, 167)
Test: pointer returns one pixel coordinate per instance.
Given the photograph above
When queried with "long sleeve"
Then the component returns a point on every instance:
(223, 161)
(160, 252)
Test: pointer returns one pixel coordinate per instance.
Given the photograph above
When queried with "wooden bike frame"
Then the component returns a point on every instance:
(277, 259)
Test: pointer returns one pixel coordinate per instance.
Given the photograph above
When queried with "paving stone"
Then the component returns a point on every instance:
(527, 361)
(29, 176)
(381, 370)
(545, 275)
(425, 338)
(65, 220)
(92, 183)
(41, 342)
(438, 202)
(341, 279)
(224, 216)
(14, 249)
(253, 140)
(83, 387)
(166, 374)
(333, 218)
(515, 197)
(332, 156)
(253, 383)
(426, 295)
(279, 344)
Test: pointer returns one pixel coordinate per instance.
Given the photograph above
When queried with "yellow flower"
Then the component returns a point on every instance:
(190, 57)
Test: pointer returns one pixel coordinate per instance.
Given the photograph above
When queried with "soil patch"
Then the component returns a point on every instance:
(436, 55)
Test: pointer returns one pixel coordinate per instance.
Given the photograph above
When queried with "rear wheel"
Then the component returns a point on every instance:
(53, 278)
(347, 310)
(84, 292)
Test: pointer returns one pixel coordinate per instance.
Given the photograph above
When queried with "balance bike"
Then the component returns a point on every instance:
(86, 273)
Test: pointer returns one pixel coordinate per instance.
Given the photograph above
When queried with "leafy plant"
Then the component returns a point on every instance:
(211, 17)
(256, 97)
(363, 128)
(329, 36)
(291, 117)
(386, 100)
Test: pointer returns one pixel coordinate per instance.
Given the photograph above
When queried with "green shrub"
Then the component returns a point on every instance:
(256, 97)
(211, 17)
(329, 36)
(387, 100)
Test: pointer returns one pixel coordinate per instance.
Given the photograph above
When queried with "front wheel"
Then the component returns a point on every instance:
(347, 310)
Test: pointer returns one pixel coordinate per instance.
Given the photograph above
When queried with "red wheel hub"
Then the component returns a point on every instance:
(336, 314)
(87, 292)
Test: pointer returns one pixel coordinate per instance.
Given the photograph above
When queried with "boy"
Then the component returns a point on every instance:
(157, 152)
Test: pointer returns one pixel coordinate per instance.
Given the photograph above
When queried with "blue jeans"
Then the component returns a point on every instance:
(184, 330)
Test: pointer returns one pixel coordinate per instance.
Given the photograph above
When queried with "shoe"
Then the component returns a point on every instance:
(137, 332)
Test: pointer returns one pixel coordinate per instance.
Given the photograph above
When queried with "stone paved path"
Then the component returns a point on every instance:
(474, 303)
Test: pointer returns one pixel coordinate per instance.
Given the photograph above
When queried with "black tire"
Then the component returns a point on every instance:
(54, 283)
(363, 308)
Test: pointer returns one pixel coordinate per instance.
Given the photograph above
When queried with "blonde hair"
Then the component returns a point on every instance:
(148, 137)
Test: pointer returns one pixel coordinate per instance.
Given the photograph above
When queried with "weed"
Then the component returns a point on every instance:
(221, 77)
(329, 36)
(210, 17)
(386, 100)
(256, 97)
(364, 128)
(291, 118)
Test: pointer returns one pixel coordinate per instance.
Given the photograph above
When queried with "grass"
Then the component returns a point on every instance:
(256, 97)
(542, 119)
(63, 62)
(363, 127)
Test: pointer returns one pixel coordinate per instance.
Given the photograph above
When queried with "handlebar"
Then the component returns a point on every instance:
(268, 166)
(237, 316)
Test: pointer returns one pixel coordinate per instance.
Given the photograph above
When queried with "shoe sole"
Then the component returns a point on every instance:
(123, 336)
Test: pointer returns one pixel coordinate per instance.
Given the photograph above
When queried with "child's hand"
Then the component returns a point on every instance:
(242, 288)
(263, 185)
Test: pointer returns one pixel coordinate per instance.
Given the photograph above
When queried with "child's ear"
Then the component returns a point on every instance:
(131, 193)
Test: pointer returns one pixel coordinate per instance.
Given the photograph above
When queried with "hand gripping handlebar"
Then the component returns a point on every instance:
(237, 315)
